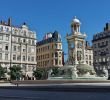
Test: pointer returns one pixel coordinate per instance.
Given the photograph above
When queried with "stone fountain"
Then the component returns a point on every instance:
(79, 72)
(76, 68)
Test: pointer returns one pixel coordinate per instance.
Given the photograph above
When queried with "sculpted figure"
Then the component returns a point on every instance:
(74, 72)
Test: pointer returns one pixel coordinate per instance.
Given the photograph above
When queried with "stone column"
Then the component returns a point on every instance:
(84, 56)
(76, 61)
(69, 48)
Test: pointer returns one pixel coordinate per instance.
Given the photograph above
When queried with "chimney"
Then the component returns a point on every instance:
(86, 43)
(9, 21)
(1, 22)
(104, 29)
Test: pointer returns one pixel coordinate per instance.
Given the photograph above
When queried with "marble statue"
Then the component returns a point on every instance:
(105, 72)
(74, 72)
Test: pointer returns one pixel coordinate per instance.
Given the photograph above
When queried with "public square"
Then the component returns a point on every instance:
(32, 92)
(6, 94)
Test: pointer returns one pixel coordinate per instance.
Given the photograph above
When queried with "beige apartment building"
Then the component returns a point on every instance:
(89, 54)
(49, 51)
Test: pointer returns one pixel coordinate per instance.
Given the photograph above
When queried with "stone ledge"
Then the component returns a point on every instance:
(58, 81)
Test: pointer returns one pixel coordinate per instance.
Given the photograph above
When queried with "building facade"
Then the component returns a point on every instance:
(101, 50)
(49, 51)
(89, 54)
(78, 51)
(17, 47)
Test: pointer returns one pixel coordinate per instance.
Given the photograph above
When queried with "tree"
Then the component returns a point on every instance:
(38, 73)
(15, 72)
(2, 72)
(55, 71)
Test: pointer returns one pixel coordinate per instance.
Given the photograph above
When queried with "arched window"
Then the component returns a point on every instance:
(1, 28)
(72, 45)
(24, 58)
(56, 54)
(7, 29)
(18, 40)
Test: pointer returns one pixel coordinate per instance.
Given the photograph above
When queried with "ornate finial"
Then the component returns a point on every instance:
(24, 23)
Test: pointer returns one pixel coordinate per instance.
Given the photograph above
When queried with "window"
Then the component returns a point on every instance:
(19, 48)
(24, 50)
(18, 40)
(7, 29)
(43, 57)
(95, 53)
(28, 58)
(98, 44)
(32, 58)
(6, 56)
(89, 57)
(56, 61)
(14, 57)
(1, 28)
(94, 45)
(24, 40)
(18, 57)
(1, 37)
(55, 46)
(106, 42)
(29, 42)
(52, 62)
(86, 57)
(39, 49)
(14, 48)
(0, 47)
(90, 63)
(32, 42)
(52, 55)
(107, 51)
(48, 47)
(102, 43)
(7, 37)
(47, 55)
(29, 49)
(56, 54)
(24, 58)
(0, 56)
(6, 47)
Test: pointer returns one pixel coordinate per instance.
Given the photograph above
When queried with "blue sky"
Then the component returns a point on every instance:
(49, 15)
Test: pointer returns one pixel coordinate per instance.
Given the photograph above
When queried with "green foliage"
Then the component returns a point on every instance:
(39, 73)
(55, 71)
(2, 72)
(15, 72)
